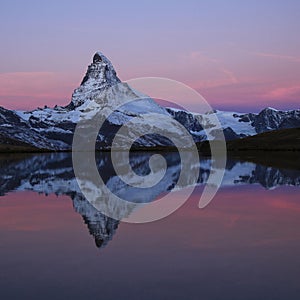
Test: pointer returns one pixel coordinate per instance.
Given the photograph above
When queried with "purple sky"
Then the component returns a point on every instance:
(240, 55)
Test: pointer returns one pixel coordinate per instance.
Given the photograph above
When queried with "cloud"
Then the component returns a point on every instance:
(31, 83)
(278, 56)
(29, 89)
(214, 73)
(233, 79)
(283, 92)
(283, 204)
(200, 57)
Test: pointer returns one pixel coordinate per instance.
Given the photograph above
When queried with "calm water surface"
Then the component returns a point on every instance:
(55, 245)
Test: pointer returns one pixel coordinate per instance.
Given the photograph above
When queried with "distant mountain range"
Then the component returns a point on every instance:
(52, 129)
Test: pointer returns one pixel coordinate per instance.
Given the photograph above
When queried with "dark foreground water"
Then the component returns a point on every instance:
(55, 245)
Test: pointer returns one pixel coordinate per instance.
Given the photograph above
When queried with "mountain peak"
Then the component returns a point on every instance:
(100, 75)
(269, 109)
(97, 57)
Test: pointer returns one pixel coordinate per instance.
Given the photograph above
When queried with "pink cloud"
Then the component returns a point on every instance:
(199, 56)
(283, 92)
(278, 56)
(283, 204)
(212, 71)
(29, 89)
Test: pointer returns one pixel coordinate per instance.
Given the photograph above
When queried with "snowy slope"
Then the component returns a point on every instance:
(238, 125)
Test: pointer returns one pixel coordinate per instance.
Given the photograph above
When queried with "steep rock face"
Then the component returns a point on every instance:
(190, 121)
(100, 75)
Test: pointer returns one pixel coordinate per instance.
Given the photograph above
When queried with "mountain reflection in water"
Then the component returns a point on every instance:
(52, 173)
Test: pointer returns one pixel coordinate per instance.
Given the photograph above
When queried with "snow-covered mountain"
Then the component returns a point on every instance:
(101, 90)
(239, 125)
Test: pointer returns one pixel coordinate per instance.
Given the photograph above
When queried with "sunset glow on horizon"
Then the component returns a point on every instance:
(239, 56)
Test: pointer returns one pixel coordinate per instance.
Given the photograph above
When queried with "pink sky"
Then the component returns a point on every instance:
(237, 59)
(232, 212)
